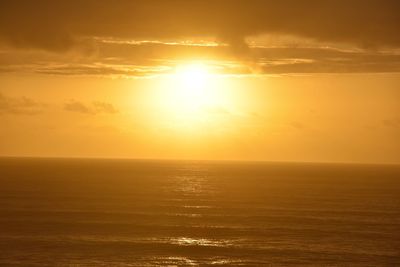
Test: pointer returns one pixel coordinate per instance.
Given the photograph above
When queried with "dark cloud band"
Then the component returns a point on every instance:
(57, 25)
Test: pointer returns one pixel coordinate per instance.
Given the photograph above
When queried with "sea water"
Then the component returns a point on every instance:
(94, 212)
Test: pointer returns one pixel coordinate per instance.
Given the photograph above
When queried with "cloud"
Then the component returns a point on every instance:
(19, 105)
(97, 69)
(104, 107)
(95, 108)
(76, 106)
(150, 37)
(59, 25)
(148, 59)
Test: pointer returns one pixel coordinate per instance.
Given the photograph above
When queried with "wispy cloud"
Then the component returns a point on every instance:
(94, 108)
(149, 59)
(104, 107)
(76, 106)
(19, 105)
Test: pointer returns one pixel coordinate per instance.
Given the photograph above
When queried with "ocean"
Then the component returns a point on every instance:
(97, 212)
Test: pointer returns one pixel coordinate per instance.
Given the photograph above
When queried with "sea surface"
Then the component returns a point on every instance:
(81, 212)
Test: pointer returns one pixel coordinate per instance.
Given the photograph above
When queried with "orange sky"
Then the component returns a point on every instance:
(248, 80)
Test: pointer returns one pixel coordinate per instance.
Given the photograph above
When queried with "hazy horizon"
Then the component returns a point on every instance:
(202, 160)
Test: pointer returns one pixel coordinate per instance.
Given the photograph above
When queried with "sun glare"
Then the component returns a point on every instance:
(193, 76)
(192, 95)
(192, 86)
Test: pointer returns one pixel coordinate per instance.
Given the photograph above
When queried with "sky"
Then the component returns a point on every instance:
(265, 80)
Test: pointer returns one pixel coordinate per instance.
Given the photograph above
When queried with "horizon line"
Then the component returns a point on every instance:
(201, 160)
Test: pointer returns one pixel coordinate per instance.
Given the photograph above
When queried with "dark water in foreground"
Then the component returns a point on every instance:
(57, 212)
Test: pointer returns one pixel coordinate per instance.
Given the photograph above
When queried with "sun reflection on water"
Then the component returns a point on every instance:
(188, 241)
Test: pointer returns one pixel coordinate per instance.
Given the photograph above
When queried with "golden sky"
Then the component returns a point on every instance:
(211, 79)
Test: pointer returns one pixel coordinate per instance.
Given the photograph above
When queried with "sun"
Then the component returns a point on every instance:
(192, 86)
(192, 83)
(193, 76)
(192, 96)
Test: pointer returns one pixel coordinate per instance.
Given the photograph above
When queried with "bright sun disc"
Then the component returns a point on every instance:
(192, 97)
(192, 86)
(193, 76)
